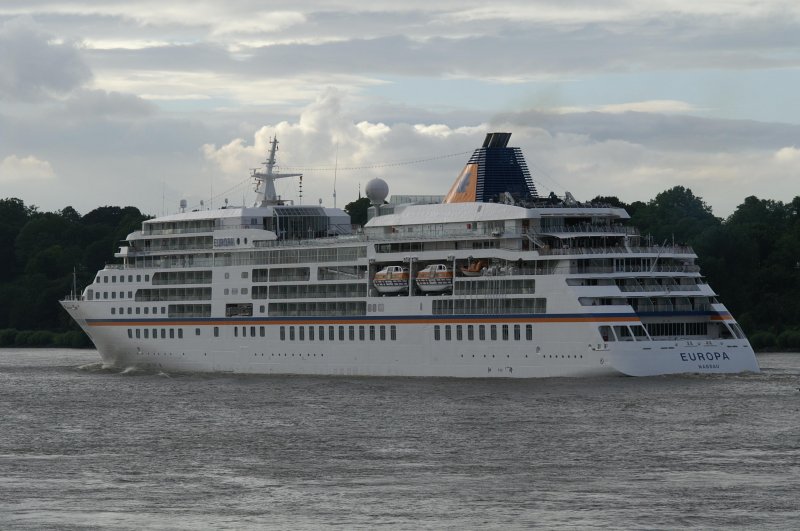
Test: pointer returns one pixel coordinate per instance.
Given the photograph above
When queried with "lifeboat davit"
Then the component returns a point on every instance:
(391, 279)
(435, 278)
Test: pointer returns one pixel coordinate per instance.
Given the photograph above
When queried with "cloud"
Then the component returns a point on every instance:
(788, 155)
(101, 103)
(652, 106)
(633, 155)
(20, 169)
(33, 65)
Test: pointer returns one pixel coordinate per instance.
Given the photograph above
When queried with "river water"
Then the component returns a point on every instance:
(84, 447)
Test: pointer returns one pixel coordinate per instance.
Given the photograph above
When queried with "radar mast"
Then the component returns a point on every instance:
(265, 181)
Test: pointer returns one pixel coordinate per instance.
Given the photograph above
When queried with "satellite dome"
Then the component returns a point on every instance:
(377, 191)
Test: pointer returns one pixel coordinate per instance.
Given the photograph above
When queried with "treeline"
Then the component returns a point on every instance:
(40, 250)
(752, 259)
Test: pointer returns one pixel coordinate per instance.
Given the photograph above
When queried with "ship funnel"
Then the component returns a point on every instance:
(493, 173)
(495, 140)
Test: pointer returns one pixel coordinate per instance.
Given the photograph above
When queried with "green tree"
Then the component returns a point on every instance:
(358, 211)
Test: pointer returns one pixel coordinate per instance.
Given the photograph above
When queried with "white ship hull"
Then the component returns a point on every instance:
(561, 350)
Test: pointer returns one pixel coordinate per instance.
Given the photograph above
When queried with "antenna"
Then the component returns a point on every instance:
(266, 195)
(335, 168)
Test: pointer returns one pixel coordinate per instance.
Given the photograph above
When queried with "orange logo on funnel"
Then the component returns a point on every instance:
(464, 190)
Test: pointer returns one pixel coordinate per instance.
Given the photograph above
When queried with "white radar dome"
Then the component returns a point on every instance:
(377, 191)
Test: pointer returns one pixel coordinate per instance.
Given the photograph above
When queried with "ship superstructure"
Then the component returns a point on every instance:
(493, 282)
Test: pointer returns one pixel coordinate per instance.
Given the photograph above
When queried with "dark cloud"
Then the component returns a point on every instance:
(33, 66)
(505, 49)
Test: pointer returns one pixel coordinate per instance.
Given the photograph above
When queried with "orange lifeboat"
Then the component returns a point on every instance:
(391, 279)
(435, 278)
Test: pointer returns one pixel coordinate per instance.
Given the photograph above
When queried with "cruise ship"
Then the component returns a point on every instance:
(492, 281)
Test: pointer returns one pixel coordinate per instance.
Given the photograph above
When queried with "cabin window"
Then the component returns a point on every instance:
(505, 332)
(493, 332)
(130, 333)
(311, 333)
(517, 333)
(283, 333)
(448, 333)
(341, 333)
(361, 333)
(383, 333)
(351, 333)
(137, 333)
(147, 333)
(482, 332)
(180, 333)
(372, 332)
(172, 333)
(216, 331)
(470, 332)
(393, 333)
(321, 334)
(437, 333)
(291, 333)
(529, 332)
(301, 333)
(459, 333)
(330, 333)
(261, 331)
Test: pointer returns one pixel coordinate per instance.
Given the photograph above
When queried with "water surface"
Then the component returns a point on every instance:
(82, 446)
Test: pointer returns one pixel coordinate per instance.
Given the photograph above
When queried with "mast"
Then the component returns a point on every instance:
(265, 181)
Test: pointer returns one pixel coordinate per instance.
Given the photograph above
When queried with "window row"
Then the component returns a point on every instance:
(145, 333)
(624, 333)
(174, 294)
(104, 278)
(138, 310)
(282, 274)
(107, 295)
(290, 256)
(495, 285)
(307, 291)
(316, 309)
(467, 332)
(181, 277)
(677, 329)
(342, 333)
(189, 310)
(489, 306)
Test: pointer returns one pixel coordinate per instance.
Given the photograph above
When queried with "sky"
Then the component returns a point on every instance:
(146, 102)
